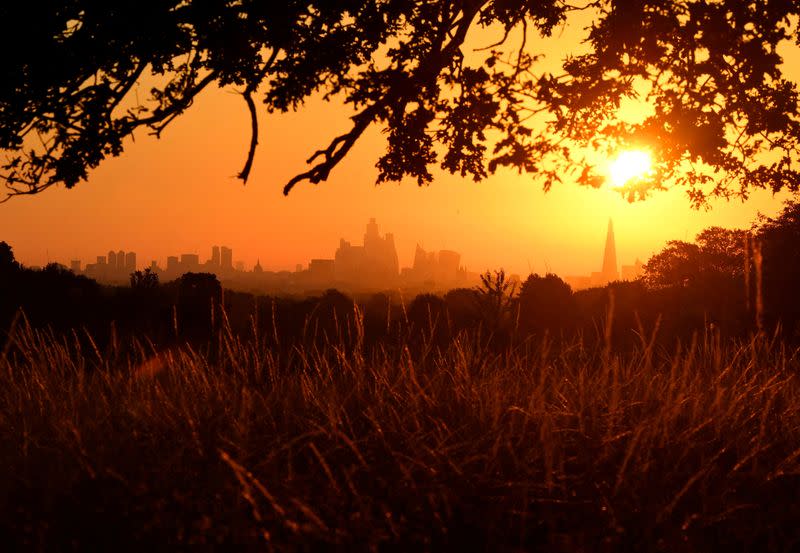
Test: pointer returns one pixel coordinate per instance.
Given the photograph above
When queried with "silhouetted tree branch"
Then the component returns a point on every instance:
(248, 164)
(724, 117)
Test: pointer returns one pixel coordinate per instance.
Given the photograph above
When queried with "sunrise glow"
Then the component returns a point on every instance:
(629, 165)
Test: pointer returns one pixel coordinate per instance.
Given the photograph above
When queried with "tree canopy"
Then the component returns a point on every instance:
(718, 252)
(723, 116)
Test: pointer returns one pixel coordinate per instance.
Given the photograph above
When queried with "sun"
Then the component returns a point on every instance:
(629, 165)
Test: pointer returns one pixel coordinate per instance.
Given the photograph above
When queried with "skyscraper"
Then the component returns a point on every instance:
(372, 265)
(215, 258)
(190, 262)
(120, 261)
(609, 272)
(130, 262)
(226, 258)
(112, 259)
(381, 252)
(447, 270)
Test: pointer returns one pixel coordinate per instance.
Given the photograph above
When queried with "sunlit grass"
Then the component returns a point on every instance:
(561, 448)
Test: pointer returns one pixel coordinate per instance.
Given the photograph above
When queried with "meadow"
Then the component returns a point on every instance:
(536, 444)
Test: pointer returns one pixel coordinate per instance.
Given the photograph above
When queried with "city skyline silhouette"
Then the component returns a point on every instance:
(372, 265)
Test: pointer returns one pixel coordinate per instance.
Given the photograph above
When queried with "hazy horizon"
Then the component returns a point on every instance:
(627, 238)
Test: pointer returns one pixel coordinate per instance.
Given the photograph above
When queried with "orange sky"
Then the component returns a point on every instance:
(179, 195)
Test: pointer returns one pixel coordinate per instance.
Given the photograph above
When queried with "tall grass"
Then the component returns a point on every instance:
(544, 446)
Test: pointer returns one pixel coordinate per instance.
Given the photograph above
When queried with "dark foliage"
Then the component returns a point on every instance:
(7, 261)
(546, 304)
(712, 70)
(428, 322)
(463, 305)
(779, 248)
(144, 280)
(198, 305)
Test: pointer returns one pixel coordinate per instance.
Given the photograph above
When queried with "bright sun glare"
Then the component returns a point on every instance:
(630, 164)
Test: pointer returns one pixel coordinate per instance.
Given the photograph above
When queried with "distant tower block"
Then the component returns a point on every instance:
(112, 259)
(372, 230)
(130, 262)
(609, 271)
(380, 252)
(190, 262)
(215, 258)
(226, 258)
(120, 260)
(172, 263)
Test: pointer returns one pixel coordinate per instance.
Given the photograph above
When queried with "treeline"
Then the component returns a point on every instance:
(734, 281)
(196, 309)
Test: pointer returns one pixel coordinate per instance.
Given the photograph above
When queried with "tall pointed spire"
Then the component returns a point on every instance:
(609, 271)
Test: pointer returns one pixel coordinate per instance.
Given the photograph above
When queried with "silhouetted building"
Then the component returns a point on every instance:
(350, 262)
(447, 270)
(440, 269)
(423, 268)
(130, 262)
(608, 272)
(632, 272)
(190, 263)
(111, 268)
(424, 265)
(226, 258)
(374, 264)
(381, 251)
(322, 270)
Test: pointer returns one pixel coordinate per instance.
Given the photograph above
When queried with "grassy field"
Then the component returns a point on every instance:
(550, 447)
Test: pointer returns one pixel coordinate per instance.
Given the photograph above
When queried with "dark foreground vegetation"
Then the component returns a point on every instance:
(468, 447)
(659, 415)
